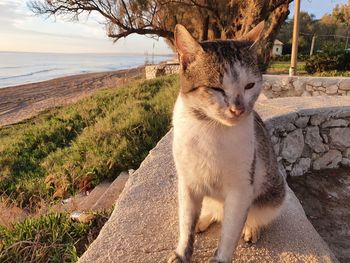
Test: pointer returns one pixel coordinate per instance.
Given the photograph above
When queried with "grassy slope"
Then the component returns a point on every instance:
(51, 238)
(54, 152)
(66, 149)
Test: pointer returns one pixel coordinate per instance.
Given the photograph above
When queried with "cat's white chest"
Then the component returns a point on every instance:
(212, 158)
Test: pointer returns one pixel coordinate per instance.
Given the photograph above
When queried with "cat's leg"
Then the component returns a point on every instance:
(236, 207)
(189, 209)
(258, 218)
(212, 211)
(265, 208)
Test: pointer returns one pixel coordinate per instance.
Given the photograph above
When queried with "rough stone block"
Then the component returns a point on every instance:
(345, 162)
(301, 167)
(292, 146)
(301, 122)
(267, 85)
(347, 153)
(316, 82)
(299, 86)
(289, 127)
(335, 123)
(331, 90)
(276, 88)
(323, 89)
(317, 119)
(330, 159)
(344, 84)
(314, 140)
(340, 137)
(309, 88)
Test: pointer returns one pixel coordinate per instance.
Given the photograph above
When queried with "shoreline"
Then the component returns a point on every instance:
(21, 102)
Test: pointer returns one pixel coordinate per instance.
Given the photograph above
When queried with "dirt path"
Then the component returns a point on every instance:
(25, 101)
(325, 197)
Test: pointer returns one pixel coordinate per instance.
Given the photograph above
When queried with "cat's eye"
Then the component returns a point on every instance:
(249, 85)
(218, 90)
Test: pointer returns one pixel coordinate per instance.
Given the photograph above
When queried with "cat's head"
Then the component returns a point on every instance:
(220, 80)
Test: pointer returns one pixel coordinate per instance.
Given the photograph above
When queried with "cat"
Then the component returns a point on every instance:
(226, 167)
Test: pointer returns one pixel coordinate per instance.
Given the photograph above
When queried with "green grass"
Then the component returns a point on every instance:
(283, 67)
(61, 151)
(280, 67)
(51, 238)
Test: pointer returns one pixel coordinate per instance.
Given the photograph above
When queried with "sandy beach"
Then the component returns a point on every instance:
(25, 101)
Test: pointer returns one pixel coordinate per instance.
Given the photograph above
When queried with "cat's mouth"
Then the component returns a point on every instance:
(232, 120)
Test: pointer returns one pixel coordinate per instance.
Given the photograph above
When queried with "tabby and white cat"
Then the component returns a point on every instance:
(226, 166)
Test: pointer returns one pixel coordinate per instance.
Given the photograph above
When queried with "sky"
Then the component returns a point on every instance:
(20, 30)
(316, 7)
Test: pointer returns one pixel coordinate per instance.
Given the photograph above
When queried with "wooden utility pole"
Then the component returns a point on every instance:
(294, 58)
(312, 45)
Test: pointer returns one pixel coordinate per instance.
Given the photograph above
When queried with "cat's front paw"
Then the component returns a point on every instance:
(175, 258)
(215, 259)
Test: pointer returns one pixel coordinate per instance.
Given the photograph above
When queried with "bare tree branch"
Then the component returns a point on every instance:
(205, 19)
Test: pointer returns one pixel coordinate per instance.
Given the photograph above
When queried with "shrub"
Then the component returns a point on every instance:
(331, 57)
(333, 73)
(287, 58)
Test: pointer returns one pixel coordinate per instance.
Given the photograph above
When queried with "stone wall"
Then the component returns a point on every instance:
(153, 71)
(311, 139)
(284, 86)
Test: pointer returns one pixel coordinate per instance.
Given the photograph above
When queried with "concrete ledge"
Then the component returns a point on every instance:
(144, 227)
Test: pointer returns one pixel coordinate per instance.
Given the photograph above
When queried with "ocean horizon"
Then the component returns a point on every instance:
(17, 68)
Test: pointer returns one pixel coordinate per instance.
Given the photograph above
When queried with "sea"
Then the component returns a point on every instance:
(18, 68)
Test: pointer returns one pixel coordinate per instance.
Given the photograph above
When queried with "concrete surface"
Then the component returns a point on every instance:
(108, 199)
(144, 226)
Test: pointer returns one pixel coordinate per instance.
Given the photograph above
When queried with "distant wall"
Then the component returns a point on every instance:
(277, 86)
(153, 71)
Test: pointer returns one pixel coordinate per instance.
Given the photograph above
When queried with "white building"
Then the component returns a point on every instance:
(277, 48)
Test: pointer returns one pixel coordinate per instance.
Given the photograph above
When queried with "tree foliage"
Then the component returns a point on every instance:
(342, 13)
(329, 28)
(205, 19)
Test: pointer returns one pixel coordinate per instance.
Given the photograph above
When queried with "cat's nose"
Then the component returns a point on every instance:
(237, 111)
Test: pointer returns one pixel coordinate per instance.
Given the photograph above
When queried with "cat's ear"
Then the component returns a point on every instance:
(187, 47)
(254, 35)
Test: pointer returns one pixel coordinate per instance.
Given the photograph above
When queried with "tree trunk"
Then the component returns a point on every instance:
(205, 29)
(278, 16)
